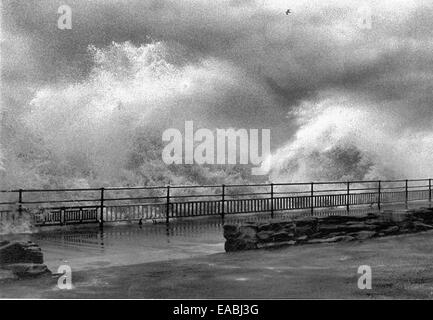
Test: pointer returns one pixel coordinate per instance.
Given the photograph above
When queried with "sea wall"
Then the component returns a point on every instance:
(310, 230)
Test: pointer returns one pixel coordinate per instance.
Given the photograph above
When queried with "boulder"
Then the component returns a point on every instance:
(424, 214)
(275, 226)
(239, 245)
(391, 230)
(20, 252)
(302, 238)
(264, 235)
(276, 244)
(25, 270)
(363, 235)
(21, 259)
(421, 226)
(282, 236)
(231, 231)
(306, 222)
(329, 228)
(248, 232)
(332, 239)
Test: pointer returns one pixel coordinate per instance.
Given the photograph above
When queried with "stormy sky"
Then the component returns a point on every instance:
(250, 63)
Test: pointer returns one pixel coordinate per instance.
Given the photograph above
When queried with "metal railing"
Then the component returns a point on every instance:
(163, 203)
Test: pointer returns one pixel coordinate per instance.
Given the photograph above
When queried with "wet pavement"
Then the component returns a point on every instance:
(90, 248)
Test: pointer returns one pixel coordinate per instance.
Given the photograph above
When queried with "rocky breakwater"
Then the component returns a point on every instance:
(310, 230)
(21, 259)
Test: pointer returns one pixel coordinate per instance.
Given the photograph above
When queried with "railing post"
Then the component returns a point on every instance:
(101, 216)
(223, 193)
(62, 216)
(272, 200)
(20, 202)
(378, 198)
(429, 191)
(348, 197)
(312, 198)
(167, 207)
(406, 192)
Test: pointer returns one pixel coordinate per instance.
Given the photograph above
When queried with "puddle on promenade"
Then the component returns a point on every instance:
(89, 248)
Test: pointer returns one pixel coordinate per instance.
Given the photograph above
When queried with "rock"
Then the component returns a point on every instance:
(302, 238)
(391, 230)
(363, 235)
(290, 227)
(282, 236)
(277, 226)
(362, 226)
(20, 252)
(326, 229)
(24, 270)
(248, 231)
(345, 228)
(422, 226)
(275, 244)
(231, 231)
(264, 226)
(264, 235)
(425, 214)
(329, 240)
(239, 245)
(347, 238)
(3, 243)
(306, 222)
(306, 226)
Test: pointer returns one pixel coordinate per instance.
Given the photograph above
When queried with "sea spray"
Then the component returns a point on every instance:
(107, 128)
(342, 140)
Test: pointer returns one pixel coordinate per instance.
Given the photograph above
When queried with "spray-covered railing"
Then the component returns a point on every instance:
(163, 203)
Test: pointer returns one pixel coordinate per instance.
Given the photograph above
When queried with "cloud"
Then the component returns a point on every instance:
(246, 63)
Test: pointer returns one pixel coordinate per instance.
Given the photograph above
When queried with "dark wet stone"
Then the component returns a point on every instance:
(25, 270)
(332, 239)
(302, 238)
(3, 243)
(248, 231)
(20, 252)
(231, 231)
(424, 215)
(422, 226)
(282, 236)
(363, 235)
(306, 221)
(391, 230)
(264, 235)
(275, 245)
(329, 229)
(239, 245)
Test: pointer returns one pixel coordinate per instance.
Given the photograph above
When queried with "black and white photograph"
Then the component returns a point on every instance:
(213, 150)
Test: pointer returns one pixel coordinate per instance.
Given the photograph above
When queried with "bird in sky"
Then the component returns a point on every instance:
(288, 11)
